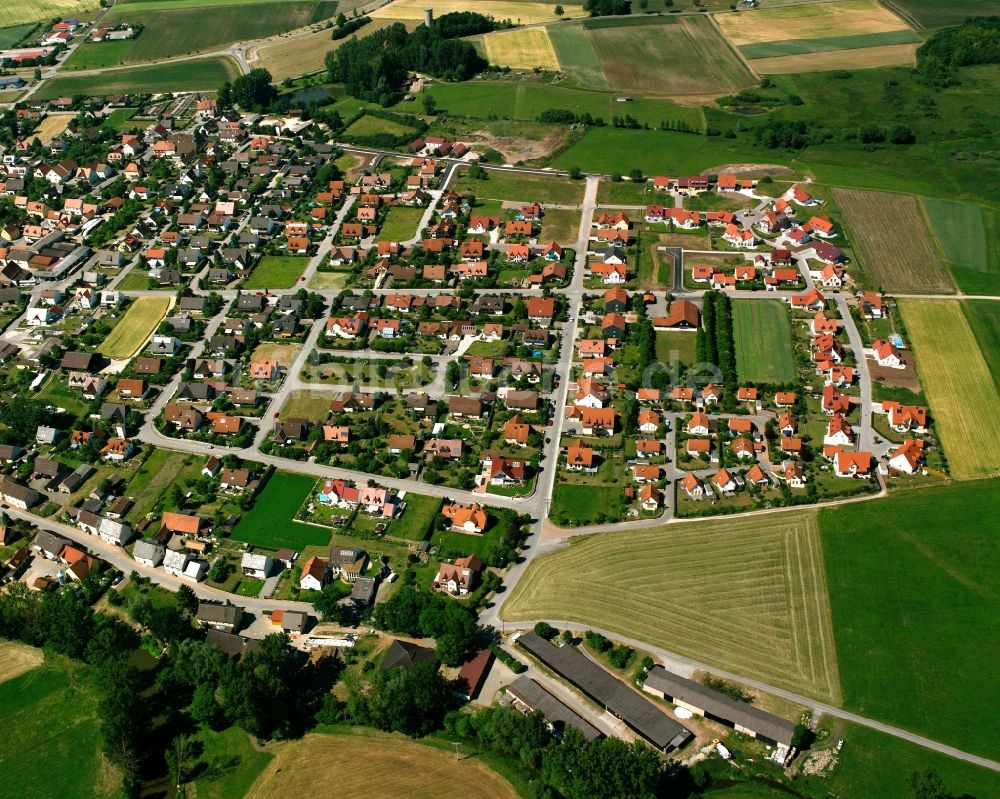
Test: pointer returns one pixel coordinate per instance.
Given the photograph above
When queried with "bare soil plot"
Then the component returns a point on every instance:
(959, 385)
(896, 248)
(813, 21)
(745, 594)
(16, 659)
(521, 48)
(379, 765)
(282, 353)
(889, 55)
(685, 56)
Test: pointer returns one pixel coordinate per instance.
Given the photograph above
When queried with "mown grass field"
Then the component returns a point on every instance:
(521, 48)
(12, 35)
(577, 57)
(282, 353)
(983, 317)
(970, 237)
(900, 256)
(584, 504)
(16, 659)
(745, 594)
(521, 12)
(813, 21)
(959, 384)
(133, 329)
(501, 185)
(306, 404)
(202, 74)
(525, 101)
(380, 764)
(276, 272)
(370, 126)
(51, 710)
(231, 763)
(914, 585)
(679, 344)
(269, 523)
(658, 59)
(172, 30)
(17, 12)
(763, 341)
(400, 224)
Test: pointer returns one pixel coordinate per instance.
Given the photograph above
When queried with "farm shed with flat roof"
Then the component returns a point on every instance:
(640, 714)
(711, 704)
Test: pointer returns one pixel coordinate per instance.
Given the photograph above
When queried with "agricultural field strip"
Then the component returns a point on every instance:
(763, 341)
(890, 55)
(17, 12)
(960, 230)
(813, 21)
(901, 256)
(701, 589)
(135, 327)
(523, 13)
(959, 385)
(855, 42)
(577, 57)
(521, 48)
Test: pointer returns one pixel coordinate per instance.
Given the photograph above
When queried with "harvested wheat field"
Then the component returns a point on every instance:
(891, 237)
(959, 386)
(53, 125)
(814, 21)
(303, 55)
(521, 48)
(372, 764)
(521, 12)
(16, 659)
(889, 55)
(748, 595)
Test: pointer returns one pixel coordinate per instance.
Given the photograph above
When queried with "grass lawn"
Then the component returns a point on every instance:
(369, 126)
(329, 280)
(99, 55)
(914, 590)
(56, 392)
(763, 341)
(501, 185)
(132, 331)
(53, 710)
(421, 513)
(400, 224)
(970, 238)
(201, 74)
(586, 504)
(560, 225)
(229, 763)
(305, 404)
(276, 272)
(959, 383)
(137, 280)
(12, 35)
(983, 317)
(282, 353)
(678, 344)
(744, 594)
(269, 523)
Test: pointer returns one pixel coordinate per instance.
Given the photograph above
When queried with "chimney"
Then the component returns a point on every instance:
(428, 17)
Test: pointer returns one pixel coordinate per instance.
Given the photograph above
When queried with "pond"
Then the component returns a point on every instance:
(313, 94)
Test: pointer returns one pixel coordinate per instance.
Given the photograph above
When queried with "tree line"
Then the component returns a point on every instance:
(714, 341)
(374, 67)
